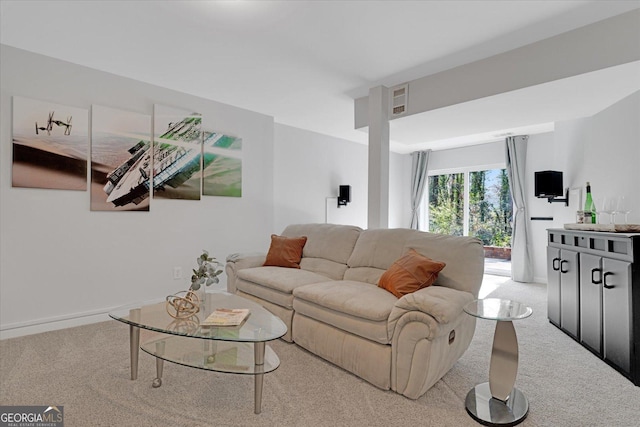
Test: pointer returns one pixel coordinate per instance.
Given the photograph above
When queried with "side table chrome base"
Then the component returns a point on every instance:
(493, 412)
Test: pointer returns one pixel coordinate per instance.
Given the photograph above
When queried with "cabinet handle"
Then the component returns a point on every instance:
(555, 265)
(604, 280)
(593, 280)
(561, 264)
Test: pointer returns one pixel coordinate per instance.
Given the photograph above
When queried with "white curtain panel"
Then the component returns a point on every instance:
(419, 161)
(516, 154)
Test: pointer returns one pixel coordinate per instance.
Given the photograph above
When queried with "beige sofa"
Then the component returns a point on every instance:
(334, 309)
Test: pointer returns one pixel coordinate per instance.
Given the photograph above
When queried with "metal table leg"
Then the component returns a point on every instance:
(134, 342)
(258, 350)
(134, 349)
(498, 402)
(504, 361)
(157, 382)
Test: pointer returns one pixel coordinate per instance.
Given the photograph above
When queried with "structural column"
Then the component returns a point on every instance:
(378, 212)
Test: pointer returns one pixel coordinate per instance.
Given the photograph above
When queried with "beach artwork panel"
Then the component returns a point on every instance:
(120, 160)
(50, 145)
(177, 153)
(222, 165)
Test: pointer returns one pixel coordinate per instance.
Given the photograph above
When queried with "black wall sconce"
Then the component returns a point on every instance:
(548, 184)
(344, 196)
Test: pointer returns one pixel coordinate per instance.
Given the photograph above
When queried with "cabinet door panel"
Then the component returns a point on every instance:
(616, 302)
(553, 286)
(591, 302)
(569, 293)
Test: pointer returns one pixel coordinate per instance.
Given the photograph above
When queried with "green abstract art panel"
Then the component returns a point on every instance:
(222, 165)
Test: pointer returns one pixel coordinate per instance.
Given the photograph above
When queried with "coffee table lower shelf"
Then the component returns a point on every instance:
(232, 357)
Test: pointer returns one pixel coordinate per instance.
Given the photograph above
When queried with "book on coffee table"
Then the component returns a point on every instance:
(226, 317)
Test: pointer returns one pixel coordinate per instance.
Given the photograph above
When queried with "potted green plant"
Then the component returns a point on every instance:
(206, 274)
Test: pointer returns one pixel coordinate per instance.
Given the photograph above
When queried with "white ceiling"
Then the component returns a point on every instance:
(304, 62)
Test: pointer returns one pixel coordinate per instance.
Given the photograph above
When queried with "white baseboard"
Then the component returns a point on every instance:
(52, 324)
(542, 280)
(31, 327)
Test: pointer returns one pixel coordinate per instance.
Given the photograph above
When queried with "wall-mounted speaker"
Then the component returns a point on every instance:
(344, 195)
(548, 184)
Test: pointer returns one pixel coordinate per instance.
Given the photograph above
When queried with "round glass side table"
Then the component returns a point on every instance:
(498, 402)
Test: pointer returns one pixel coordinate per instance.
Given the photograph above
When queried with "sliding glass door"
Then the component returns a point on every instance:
(490, 207)
(446, 204)
(472, 203)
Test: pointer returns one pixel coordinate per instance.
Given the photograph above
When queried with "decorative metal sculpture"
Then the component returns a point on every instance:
(183, 307)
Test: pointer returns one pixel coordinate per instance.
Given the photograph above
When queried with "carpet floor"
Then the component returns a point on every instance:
(86, 370)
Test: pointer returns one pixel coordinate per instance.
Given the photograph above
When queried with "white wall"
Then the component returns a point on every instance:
(399, 190)
(309, 167)
(605, 150)
(60, 261)
(539, 158)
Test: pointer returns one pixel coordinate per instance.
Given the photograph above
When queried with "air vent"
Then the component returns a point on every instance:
(399, 96)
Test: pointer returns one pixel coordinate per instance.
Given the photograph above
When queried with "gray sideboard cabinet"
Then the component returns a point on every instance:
(563, 282)
(593, 293)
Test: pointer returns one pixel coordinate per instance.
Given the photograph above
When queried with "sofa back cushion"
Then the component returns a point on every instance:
(377, 250)
(328, 247)
(463, 255)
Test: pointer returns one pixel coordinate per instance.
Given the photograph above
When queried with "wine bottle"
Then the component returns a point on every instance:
(589, 207)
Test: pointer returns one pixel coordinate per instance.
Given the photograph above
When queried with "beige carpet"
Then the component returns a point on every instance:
(86, 369)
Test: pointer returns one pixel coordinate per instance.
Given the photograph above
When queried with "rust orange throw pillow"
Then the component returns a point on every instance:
(285, 251)
(411, 272)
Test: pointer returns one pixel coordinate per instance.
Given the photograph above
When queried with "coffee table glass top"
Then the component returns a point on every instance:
(498, 309)
(260, 326)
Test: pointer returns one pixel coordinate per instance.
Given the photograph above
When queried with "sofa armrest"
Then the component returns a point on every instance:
(442, 306)
(247, 259)
(430, 333)
(240, 261)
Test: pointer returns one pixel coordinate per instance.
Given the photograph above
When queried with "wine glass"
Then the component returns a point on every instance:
(609, 208)
(623, 207)
(612, 208)
(599, 206)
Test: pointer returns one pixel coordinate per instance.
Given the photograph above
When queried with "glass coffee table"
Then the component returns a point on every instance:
(498, 402)
(231, 349)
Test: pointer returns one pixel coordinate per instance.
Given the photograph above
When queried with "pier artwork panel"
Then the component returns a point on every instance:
(50, 145)
(120, 160)
(177, 153)
(222, 165)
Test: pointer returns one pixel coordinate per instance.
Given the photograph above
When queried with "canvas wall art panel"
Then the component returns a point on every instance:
(222, 165)
(50, 145)
(177, 153)
(120, 160)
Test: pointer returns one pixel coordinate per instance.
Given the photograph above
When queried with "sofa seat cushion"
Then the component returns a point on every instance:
(359, 308)
(275, 284)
